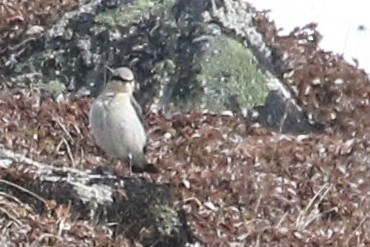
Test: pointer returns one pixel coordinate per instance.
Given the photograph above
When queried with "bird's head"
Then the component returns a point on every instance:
(122, 81)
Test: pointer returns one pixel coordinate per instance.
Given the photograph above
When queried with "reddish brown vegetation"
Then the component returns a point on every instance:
(238, 182)
(22, 20)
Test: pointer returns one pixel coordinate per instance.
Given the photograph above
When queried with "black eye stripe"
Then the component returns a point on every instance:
(118, 78)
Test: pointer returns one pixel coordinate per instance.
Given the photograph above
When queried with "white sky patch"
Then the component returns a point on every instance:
(338, 22)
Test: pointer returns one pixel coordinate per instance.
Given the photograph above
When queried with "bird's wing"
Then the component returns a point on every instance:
(97, 115)
(98, 122)
(137, 108)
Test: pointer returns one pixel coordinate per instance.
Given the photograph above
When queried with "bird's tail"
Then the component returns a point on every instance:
(150, 168)
(140, 164)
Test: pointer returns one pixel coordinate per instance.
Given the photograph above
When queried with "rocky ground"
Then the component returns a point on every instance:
(239, 182)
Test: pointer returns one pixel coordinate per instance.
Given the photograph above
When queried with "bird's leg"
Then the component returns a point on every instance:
(129, 156)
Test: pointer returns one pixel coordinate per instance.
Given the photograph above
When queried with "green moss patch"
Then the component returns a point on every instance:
(228, 70)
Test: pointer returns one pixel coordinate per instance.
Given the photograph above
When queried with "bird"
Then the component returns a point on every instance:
(116, 122)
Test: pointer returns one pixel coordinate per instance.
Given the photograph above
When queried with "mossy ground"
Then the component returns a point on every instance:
(130, 12)
(230, 71)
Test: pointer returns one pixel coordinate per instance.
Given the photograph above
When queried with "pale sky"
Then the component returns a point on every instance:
(338, 22)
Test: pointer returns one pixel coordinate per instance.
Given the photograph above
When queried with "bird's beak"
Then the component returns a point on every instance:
(110, 69)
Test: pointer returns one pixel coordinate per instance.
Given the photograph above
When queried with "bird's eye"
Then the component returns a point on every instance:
(118, 78)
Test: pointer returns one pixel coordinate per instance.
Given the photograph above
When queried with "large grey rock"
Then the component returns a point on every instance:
(177, 49)
(186, 54)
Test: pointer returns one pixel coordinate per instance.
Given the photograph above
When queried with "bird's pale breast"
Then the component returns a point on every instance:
(116, 126)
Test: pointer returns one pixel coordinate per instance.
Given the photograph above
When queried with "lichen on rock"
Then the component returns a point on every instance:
(172, 47)
(229, 70)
